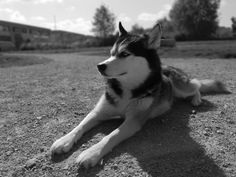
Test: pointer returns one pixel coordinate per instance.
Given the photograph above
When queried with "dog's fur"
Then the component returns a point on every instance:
(138, 88)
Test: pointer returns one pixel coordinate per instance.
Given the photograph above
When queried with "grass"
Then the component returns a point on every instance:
(42, 101)
(10, 61)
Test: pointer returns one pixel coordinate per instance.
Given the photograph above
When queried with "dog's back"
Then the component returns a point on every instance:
(184, 86)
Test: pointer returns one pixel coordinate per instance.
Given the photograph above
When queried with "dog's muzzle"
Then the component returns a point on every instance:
(102, 68)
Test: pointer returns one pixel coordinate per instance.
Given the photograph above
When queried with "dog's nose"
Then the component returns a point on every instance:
(102, 67)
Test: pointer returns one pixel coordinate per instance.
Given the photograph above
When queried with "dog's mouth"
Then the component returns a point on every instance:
(113, 76)
(124, 73)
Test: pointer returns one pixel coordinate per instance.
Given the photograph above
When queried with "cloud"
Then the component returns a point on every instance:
(71, 8)
(17, 16)
(124, 18)
(147, 17)
(30, 1)
(78, 25)
(154, 17)
(12, 15)
(46, 1)
(38, 18)
(8, 1)
(223, 3)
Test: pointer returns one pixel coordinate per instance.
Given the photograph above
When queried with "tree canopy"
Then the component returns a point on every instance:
(233, 19)
(104, 22)
(136, 29)
(197, 19)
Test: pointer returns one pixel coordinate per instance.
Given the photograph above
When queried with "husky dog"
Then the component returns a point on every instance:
(138, 88)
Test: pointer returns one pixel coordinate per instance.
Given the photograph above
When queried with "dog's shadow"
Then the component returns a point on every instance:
(164, 147)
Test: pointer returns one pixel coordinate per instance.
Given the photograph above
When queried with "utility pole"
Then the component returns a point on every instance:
(55, 22)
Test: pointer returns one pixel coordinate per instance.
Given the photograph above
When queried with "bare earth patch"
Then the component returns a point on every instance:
(40, 103)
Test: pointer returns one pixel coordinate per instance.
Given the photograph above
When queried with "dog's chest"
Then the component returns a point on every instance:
(136, 106)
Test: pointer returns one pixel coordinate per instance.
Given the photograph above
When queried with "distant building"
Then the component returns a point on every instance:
(13, 35)
(17, 34)
(64, 37)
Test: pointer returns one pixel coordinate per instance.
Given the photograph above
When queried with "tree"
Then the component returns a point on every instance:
(104, 22)
(136, 29)
(233, 19)
(196, 19)
(168, 29)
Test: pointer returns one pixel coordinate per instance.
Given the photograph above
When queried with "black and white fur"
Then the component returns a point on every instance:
(138, 88)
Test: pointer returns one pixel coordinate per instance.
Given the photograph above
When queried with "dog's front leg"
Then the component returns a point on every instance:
(102, 111)
(91, 156)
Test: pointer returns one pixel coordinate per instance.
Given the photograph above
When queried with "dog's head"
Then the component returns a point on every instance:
(132, 55)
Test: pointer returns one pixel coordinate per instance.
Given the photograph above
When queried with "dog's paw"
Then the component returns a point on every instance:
(64, 144)
(89, 157)
(196, 101)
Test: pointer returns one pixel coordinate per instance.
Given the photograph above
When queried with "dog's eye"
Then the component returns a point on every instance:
(124, 54)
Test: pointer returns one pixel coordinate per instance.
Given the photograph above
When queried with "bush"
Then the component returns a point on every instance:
(6, 46)
(168, 42)
(95, 42)
(27, 46)
(224, 33)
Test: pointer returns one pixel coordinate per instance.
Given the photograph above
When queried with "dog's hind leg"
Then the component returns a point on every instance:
(102, 111)
(195, 85)
(189, 89)
(196, 100)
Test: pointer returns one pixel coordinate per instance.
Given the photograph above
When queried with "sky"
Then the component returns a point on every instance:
(77, 15)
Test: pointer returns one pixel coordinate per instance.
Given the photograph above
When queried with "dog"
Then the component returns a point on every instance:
(138, 88)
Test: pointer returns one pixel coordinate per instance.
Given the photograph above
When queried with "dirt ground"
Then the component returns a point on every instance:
(41, 102)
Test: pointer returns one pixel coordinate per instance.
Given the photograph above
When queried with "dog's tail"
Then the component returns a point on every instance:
(213, 86)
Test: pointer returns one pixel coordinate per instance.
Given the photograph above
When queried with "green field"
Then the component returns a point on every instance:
(45, 95)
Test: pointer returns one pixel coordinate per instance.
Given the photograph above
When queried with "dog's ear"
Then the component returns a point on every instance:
(122, 31)
(154, 37)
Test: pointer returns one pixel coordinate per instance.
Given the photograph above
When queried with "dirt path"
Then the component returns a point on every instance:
(39, 103)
